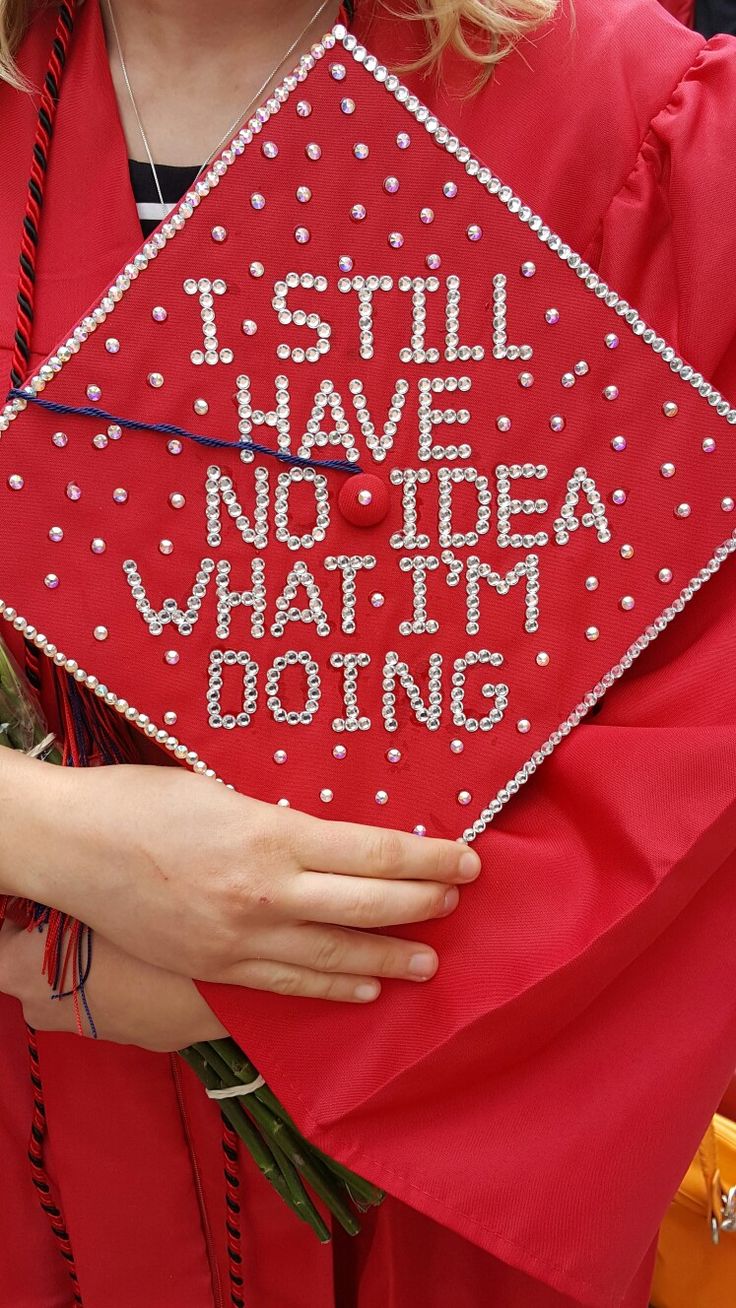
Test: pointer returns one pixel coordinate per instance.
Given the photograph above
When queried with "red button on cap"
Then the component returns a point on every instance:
(363, 500)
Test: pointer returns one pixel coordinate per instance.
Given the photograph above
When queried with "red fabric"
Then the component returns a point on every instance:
(552, 1132)
(682, 9)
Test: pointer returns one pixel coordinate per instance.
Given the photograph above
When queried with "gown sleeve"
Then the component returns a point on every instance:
(545, 1093)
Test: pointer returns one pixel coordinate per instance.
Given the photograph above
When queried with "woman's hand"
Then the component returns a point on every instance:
(183, 873)
(132, 1003)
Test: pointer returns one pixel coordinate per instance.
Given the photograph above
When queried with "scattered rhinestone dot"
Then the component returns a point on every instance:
(503, 423)
(358, 213)
(345, 263)
(395, 240)
(201, 407)
(464, 797)
(627, 603)
(670, 409)
(339, 752)
(665, 575)
(120, 495)
(60, 439)
(612, 341)
(683, 511)
(449, 190)
(170, 718)
(171, 657)
(709, 445)
(280, 756)
(51, 581)
(727, 504)
(73, 491)
(155, 379)
(393, 755)
(381, 797)
(313, 151)
(667, 470)
(257, 201)
(100, 441)
(98, 545)
(619, 497)
(610, 393)
(543, 658)
(256, 269)
(433, 261)
(219, 234)
(627, 551)
(419, 830)
(303, 108)
(100, 633)
(112, 345)
(94, 393)
(177, 500)
(523, 725)
(361, 150)
(56, 534)
(303, 194)
(618, 444)
(552, 316)
(326, 795)
(377, 600)
(15, 481)
(159, 313)
(474, 232)
(269, 149)
(403, 140)
(302, 235)
(591, 583)
(338, 72)
(175, 446)
(528, 268)
(249, 327)
(426, 215)
(557, 422)
(347, 105)
(166, 547)
(457, 746)
(592, 633)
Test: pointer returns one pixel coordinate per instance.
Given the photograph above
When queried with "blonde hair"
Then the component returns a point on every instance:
(482, 31)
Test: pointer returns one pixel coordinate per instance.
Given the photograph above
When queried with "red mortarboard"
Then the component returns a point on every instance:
(470, 484)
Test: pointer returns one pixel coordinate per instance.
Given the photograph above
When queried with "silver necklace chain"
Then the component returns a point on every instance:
(165, 208)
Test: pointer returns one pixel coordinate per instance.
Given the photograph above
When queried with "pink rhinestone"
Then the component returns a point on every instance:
(303, 108)
(114, 431)
(612, 341)
(523, 725)
(94, 393)
(627, 603)
(378, 600)
(303, 194)
(269, 149)
(56, 534)
(381, 797)
(503, 423)
(526, 379)
(395, 240)
(403, 140)
(250, 327)
(73, 491)
(450, 190)
(552, 316)
(175, 446)
(177, 500)
(347, 105)
(670, 409)
(313, 150)
(302, 235)
(619, 497)
(155, 379)
(98, 545)
(474, 232)
(345, 263)
(339, 752)
(338, 72)
(667, 470)
(618, 443)
(709, 445)
(610, 393)
(433, 261)
(100, 441)
(257, 200)
(171, 657)
(665, 575)
(528, 269)
(365, 497)
(557, 422)
(391, 185)
(357, 213)
(360, 150)
(393, 755)
(51, 581)
(280, 756)
(166, 547)
(159, 314)
(15, 481)
(592, 633)
(420, 830)
(120, 495)
(426, 215)
(543, 658)
(464, 797)
(219, 234)
(112, 345)
(457, 746)
(60, 439)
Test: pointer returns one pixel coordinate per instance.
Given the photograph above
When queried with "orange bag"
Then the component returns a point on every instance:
(696, 1256)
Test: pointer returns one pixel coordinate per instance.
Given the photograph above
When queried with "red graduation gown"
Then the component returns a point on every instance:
(529, 1153)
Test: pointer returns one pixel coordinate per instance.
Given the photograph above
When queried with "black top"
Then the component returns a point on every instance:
(174, 183)
(712, 16)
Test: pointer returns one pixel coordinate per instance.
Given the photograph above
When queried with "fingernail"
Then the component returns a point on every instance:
(422, 965)
(451, 899)
(469, 865)
(366, 991)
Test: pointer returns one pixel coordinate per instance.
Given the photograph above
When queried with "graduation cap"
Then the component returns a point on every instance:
(359, 488)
